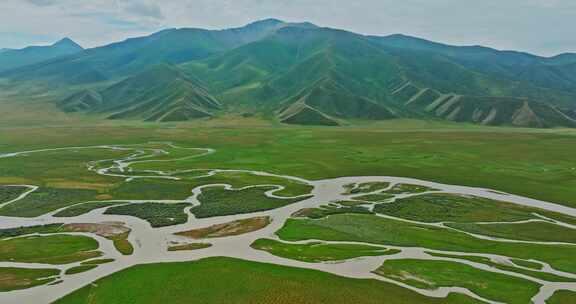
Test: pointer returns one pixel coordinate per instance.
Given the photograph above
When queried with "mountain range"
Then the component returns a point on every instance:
(299, 73)
(12, 58)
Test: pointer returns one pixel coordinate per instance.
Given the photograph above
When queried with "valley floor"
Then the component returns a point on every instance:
(157, 195)
(318, 198)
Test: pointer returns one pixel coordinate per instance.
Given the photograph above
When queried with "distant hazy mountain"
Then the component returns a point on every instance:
(304, 74)
(557, 72)
(11, 59)
(134, 55)
(567, 58)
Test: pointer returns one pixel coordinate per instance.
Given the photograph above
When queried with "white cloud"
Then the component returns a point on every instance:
(42, 2)
(145, 9)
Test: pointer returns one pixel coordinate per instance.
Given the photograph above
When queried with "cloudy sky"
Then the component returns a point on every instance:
(544, 27)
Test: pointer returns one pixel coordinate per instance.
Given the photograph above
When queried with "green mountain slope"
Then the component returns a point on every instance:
(84, 100)
(12, 59)
(566, 58)
(332, 99)
(160, 93)
(301, 73)
(342, 75)
(534, 72)
(136, 54)
(485, 110)
(463, 53)
(319, 67)
(302, 114)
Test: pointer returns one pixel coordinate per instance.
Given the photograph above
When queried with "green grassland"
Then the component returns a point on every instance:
(122, 244)
(19, 231)
(10, 193)
(79, 269)
(420, 149)
(315, 252)
(45, 200)
(83, 208)
(22, 278)
(226, 280)
(462, 209)
(326, 210)
(120, 241)
(217, 201)
(52, 249)
(377, 230)
(562, 297)
(57, 169)
(242, 179)
(535, 231)
(442, 152)
(169, 153)
(157, 214)
(486, 261)
(374, 197)
(433, 274)
(152, 189)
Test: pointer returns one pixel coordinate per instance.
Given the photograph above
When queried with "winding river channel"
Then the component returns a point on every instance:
(151, 243)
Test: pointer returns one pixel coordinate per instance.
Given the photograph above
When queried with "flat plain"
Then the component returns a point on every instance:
(159, 180)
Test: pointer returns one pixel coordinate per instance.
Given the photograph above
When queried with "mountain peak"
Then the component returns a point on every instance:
(268, 21)
(67, 42)
(277, 23)
(13, 59)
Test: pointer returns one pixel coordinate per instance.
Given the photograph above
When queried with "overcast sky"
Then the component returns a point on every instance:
(545, 27)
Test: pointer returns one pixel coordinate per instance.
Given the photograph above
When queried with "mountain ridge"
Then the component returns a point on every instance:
(15, 58)
(160, 93)
(323, 74)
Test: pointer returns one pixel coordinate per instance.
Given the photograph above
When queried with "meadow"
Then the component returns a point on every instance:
(157, 214)
(225, 280)
(438, 151)
(53, 249)
(432, 274)
(377, 230)
(502, 159)
(218, 201)
(431, 208)
(562, 297)
(18, 278)
(315, 252)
